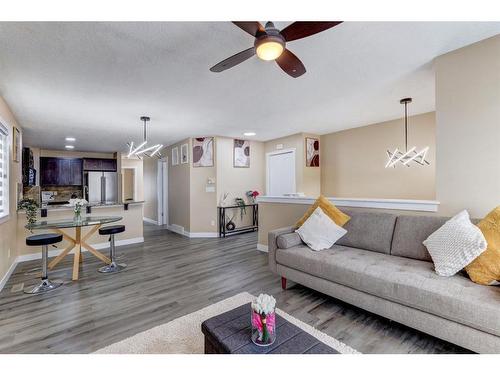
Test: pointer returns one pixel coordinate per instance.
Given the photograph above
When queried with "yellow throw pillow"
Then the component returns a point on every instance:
(485, 269)
(329, 209)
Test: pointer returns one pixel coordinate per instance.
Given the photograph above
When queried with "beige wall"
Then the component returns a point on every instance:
(178, 189)
(308, 179)
(203, 204)
(353, 161)
(8, 227)
(137, 165)
(151, 188)
(194, 208)
(237, 181)
(468, 128)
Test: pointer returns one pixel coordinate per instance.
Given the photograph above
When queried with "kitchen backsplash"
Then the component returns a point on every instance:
(64, 193)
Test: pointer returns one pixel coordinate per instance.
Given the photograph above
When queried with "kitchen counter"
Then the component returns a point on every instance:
(132, 219)
(64, 207)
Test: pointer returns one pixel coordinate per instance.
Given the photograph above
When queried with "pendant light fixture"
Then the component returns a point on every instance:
(409, 155)
(144, 149)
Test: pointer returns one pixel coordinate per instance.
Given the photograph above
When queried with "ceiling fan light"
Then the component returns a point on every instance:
(269, 50)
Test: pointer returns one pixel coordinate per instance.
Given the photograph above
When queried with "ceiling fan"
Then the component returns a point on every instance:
(270, 44)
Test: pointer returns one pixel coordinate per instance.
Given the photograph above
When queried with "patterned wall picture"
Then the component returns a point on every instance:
(184, 154)
(16, 145)
(203, 152)
(175, 156)
(312, 152)
(241, 153)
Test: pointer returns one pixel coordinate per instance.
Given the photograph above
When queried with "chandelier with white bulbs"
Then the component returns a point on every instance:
(144, 149)
(413, 155)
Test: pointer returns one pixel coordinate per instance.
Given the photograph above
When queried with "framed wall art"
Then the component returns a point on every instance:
(203, 152)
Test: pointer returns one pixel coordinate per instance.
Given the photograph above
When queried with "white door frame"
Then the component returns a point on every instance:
(162, 190)
(278, 152)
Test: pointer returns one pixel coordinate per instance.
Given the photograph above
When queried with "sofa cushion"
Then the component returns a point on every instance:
(285, 241)
(369, 230)
(455, 245)
(320, 232)
(486, 268)
(411, 231)
(337, 216)
(406, 281)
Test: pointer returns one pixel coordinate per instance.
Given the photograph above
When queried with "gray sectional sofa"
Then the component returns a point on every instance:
(380, 265)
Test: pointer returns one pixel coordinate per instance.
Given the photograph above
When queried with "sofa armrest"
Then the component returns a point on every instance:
(272, 245)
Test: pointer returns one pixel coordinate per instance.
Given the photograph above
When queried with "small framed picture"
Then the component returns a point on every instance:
(184, 153)
(241, 153)
(175, 156)
(312, 152)
(16, 145)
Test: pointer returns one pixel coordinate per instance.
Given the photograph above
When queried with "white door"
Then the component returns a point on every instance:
(281, 173)
(162, 181)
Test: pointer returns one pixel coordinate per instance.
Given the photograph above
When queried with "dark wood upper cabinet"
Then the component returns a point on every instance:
(60, 171)
(104, 165)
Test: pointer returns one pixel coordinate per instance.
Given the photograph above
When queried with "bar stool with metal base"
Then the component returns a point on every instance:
(43, 240)
(111, 231)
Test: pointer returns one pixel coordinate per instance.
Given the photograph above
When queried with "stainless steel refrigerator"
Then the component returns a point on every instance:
(102, 187)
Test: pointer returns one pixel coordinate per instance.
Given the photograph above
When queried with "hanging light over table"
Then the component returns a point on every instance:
(144, 149)
(411, 155)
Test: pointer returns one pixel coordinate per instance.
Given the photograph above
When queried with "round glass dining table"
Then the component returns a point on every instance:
(78, 241)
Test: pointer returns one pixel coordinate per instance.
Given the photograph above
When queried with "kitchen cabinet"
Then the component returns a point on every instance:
(60, 171)
(100, 165)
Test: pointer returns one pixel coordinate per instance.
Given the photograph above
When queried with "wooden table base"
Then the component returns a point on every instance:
(77, 243)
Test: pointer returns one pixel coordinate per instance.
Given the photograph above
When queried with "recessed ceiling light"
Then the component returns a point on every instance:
(69, 147)
(70, 139)
(249, 134)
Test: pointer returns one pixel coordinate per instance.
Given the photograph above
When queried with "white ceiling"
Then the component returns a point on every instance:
(94, 80)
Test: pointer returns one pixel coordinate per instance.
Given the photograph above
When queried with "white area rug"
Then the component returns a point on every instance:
(183, 335)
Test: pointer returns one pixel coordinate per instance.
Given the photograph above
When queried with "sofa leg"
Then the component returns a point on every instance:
(283, 283)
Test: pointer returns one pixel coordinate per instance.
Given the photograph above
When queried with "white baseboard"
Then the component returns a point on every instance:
(148, 220)
(97, 246)
(262, 248)
(180, 230)
(7, 275)
(202, 234)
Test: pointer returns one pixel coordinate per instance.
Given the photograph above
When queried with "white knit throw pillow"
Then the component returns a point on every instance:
(456, 244)
(320, 232)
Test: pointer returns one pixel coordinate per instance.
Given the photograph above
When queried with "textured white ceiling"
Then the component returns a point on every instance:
(94, 80)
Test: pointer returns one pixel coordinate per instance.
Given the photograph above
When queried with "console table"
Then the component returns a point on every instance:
(223, 231)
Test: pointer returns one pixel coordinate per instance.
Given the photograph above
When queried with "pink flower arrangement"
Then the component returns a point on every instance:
(263, 320)
(252, 194)
(269, 320)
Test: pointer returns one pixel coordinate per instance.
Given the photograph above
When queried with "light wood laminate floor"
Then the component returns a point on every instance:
(169, 276)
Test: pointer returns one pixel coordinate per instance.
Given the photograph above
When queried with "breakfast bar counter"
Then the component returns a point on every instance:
(132, 218)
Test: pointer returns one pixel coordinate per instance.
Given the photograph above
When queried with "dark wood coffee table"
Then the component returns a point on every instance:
(229, 333)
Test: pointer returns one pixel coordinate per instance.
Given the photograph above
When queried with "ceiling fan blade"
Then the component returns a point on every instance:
(291, 64)
(252, 27)
(233, 60)
(302, 29)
